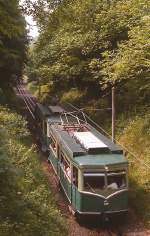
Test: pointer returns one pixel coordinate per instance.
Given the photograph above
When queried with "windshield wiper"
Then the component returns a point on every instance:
(90, 187)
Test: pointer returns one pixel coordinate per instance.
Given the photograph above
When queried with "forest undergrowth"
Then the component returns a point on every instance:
(27, 206)
(136, 138)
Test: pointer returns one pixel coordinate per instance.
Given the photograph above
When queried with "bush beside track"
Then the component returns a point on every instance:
(27, 207)
(136, 137)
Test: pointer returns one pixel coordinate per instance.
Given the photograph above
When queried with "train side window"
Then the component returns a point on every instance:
(53, 145)
(65, 165)
(75, 176)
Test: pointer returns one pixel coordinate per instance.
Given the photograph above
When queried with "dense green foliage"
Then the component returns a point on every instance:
(136, 137)
(88, 45)
(27, 206)
(13, 42)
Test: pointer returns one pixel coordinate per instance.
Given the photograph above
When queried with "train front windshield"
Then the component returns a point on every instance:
(97, 182)
(116, 180)
(94, 182)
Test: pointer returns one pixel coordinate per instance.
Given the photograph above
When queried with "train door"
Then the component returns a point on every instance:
(74, 186)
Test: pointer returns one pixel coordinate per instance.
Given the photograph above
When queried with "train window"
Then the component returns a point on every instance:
(94, 182)
(75, 176)
(116, 180)
(53, 145)
(65, 165)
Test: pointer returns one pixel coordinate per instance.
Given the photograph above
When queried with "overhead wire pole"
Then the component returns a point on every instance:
(113, 113)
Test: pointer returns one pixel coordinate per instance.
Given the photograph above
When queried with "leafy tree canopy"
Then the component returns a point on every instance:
(91, 44)
(13, 42)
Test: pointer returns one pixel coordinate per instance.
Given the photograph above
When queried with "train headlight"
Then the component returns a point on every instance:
(106, 203)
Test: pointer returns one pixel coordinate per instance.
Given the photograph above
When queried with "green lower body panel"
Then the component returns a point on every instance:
(65, 183)
(94, 204)
(54, 160)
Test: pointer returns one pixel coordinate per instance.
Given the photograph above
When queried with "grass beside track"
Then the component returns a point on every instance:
(27, 207)
(136, 137)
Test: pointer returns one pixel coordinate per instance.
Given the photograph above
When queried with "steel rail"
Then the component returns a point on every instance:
(30, 101)
(27, 105)
(26, 98)
(25, 95)
(28, 95)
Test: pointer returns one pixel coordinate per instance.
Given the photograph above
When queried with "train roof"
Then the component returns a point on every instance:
(42, 111)
(53, 119)
(85, 145)
(100, 160)
(108, 154)
(90, 141)
(50, 112)
(56, 109)
(113, 147)
(68, 144)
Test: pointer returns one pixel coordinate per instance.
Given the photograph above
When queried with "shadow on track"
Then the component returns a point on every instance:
(113, 224)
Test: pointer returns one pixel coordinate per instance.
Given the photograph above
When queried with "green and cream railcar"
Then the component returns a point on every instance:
(92, 170)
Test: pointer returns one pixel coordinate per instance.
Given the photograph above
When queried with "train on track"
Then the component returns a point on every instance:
(91, 169)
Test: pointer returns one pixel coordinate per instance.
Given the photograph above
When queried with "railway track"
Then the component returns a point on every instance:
(28, 99)
(75, 229)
